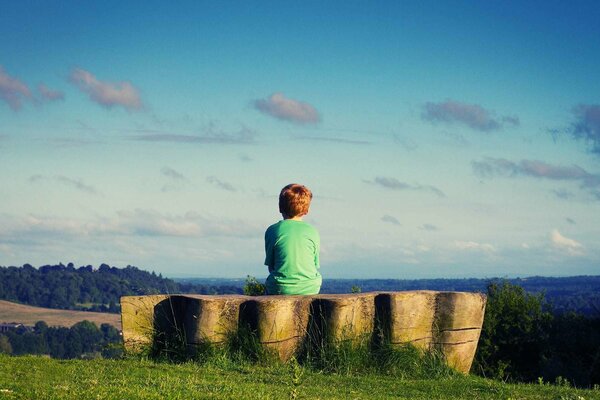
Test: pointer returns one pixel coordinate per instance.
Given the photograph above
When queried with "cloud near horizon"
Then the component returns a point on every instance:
(473, 115)
(474, 246)
(395, 184)
(13, 91)
(283, 108)
(566, 244)
(107, 94)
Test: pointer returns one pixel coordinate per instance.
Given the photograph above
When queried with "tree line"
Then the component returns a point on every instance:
(87, 288)
(84, 339)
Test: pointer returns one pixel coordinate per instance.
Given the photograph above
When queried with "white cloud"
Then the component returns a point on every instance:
(566, 244)
(470, 245)
(107, 94)
(281, 107)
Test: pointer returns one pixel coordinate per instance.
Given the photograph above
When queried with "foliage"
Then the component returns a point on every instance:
(253, 287)
(83, 338)
(41, 378)
(522, 340)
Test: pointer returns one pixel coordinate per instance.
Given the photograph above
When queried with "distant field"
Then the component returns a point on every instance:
(28, 315)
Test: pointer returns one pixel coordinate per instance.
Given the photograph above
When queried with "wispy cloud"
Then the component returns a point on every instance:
(391, 220)
(107, 94)
(406, 142)
(176, 179)
(126, 223)
(74, 183)
(281, 107)
(586, 126)
(171, 173)
(13, 91)
(473, 115)
(332, 140)
(474, 246)
(566, 244)
(245, 157)
(212, 136)
(395, 184)
(563, 194)
(221, 184)
(491, 167)
(48, 94)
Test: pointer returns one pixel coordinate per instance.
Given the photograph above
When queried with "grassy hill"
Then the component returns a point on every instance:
(36, 377)
(28, 315)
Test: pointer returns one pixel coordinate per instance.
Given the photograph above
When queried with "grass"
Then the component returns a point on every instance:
(29, 315)
(42, 378)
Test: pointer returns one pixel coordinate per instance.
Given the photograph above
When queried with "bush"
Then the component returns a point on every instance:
(253, 287)
(515, 335)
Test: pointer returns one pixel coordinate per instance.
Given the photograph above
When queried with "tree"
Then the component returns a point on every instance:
(514, 337)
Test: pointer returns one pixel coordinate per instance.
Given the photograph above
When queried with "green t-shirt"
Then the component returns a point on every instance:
(292, 255)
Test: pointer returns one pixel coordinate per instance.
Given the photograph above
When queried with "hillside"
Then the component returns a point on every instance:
(137, 379)
(29, 315)
(87, 288)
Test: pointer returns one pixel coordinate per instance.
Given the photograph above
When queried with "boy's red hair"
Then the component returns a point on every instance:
(294, 200)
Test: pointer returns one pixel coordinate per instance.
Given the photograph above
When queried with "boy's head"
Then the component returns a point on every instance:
(294, 200)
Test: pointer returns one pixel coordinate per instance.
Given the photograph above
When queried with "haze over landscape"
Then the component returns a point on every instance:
(439, 140)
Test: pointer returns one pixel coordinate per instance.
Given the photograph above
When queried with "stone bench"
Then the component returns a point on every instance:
(448, 321)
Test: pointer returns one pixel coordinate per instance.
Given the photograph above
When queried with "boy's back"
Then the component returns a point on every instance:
(292, 255)
(292, 246)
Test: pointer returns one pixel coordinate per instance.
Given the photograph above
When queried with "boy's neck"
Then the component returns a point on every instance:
(296, 218)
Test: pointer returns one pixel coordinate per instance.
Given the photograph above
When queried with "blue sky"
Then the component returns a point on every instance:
(450, 139)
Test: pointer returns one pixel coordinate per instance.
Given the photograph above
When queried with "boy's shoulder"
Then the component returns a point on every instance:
(289, 224)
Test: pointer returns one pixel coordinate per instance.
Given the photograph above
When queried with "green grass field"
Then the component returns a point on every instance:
(43, 378)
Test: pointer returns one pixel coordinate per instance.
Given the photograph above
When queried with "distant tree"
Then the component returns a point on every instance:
(40, 327)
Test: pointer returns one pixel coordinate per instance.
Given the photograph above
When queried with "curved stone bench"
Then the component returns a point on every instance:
(448, 321)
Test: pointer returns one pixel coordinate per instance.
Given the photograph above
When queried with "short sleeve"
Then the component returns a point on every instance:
(317, 241)
(269, 261)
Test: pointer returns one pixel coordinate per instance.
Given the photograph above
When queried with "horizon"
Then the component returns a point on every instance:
(438, 139)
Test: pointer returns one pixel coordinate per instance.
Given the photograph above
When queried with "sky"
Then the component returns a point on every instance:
(440, 139)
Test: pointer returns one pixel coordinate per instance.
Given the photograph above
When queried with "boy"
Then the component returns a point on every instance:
(292, 246)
